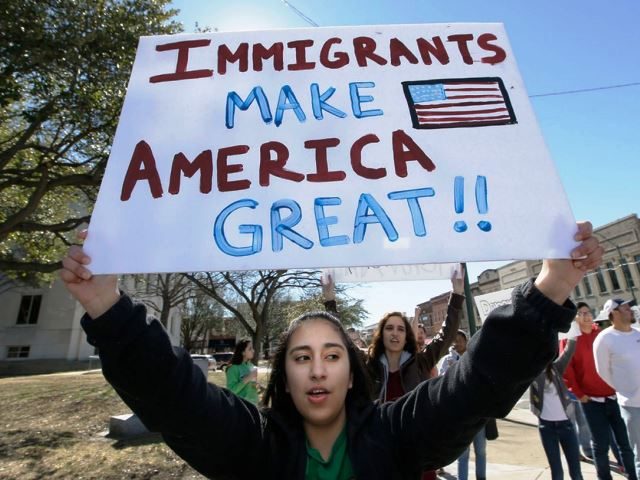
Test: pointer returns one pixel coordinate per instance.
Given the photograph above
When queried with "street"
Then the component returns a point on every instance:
(517, 454)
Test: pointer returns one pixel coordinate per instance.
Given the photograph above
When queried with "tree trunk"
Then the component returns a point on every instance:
(164, 313)
(257, 339)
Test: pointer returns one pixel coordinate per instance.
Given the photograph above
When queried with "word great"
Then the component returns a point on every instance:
(272, 160)
(368, 211)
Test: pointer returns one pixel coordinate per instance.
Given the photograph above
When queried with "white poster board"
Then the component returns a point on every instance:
(392, 273)
(327, 147)
(487, 302)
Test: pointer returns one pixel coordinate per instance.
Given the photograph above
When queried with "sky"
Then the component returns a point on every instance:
(560, 46)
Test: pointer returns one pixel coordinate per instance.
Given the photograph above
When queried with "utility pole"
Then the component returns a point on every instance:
(469, 302)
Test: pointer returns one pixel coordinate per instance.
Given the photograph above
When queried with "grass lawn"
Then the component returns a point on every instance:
(51, 425)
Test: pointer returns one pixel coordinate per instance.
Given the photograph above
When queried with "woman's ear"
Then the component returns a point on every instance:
(351, 380)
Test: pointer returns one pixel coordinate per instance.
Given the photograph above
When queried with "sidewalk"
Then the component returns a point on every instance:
(520, 425)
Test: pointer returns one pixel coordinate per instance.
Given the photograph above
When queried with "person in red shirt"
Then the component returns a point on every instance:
(597, 398)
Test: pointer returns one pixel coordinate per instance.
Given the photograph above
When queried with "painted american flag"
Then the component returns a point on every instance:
(458, 102)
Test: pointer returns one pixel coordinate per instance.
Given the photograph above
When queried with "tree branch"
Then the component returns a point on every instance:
(39, 267)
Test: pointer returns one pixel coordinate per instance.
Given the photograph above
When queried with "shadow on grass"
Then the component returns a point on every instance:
(30, 444)
(138, 440)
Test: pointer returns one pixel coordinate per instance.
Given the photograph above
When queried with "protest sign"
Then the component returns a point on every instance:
(487, 302)
(392, 273)
(327, 147)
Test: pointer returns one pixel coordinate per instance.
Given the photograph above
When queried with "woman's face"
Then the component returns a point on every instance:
(394, 334)
(248, 352)
(318, 373)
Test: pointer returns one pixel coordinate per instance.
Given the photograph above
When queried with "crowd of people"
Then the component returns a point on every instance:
(337, 409)
(588, 400)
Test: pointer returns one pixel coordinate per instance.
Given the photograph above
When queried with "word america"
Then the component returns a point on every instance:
(363, 50)
(272, 160)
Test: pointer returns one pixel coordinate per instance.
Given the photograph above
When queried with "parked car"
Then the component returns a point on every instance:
(213, 364)
(222, 359)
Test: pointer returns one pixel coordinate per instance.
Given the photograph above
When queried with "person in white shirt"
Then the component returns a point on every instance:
(617, 357)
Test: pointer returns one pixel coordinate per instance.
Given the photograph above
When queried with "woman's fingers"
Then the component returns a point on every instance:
(73, 270)
(588, 255)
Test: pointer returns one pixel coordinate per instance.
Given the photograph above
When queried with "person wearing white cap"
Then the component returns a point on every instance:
(617, 356)
(598, 399)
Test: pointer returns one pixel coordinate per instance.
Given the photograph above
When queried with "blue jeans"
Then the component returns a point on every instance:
(601, 417)
(576, 415)
(631, 417)
(480, 450)
(560, 434)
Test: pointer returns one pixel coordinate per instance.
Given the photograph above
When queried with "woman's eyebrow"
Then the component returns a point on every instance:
(308, 347)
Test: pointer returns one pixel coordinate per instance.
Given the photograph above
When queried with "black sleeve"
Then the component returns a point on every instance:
(435, 422)
(440, 344)
(211, 428)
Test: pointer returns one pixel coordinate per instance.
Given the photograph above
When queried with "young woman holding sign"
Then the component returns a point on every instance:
(318, 421)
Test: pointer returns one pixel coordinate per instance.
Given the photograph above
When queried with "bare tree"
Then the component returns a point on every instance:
(163, 291)
(249, 296)
(286, 307)
(200, 315)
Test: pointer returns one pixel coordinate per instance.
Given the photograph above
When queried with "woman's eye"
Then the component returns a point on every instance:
(333, 356)
(302, 358)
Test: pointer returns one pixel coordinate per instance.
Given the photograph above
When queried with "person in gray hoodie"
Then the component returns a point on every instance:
(551, 403)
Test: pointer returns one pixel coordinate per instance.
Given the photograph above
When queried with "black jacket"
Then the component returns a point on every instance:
(222, 436)
(418, 367)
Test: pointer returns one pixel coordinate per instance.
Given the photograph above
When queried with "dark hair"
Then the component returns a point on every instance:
(276, 395)
(422, 327)
(579, 305)
(377, 345)
(238, 352)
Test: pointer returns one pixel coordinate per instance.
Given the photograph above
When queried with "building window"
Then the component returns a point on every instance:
(627, 272)
(587, 286)
(636, 260)
(29, 310)
(600, 278)
(20, 351)
(613, 276)
(577, 292)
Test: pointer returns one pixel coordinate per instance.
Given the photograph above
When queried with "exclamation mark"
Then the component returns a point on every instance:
(481, 202)
(458, 203)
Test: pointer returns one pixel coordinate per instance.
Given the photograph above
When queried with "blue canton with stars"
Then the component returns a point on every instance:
(427, 93)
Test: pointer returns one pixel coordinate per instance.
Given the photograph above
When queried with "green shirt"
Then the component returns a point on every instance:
(337, 467)
(235, 374)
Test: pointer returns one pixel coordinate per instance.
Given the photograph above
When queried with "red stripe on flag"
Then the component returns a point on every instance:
(474, 96)
(461, 112)
(466, 119)
(419, 106)
(478, 89)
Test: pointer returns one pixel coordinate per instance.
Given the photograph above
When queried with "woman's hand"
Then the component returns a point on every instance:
(457, 279)
(96, 293)
(328, 287)
(558, 278)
